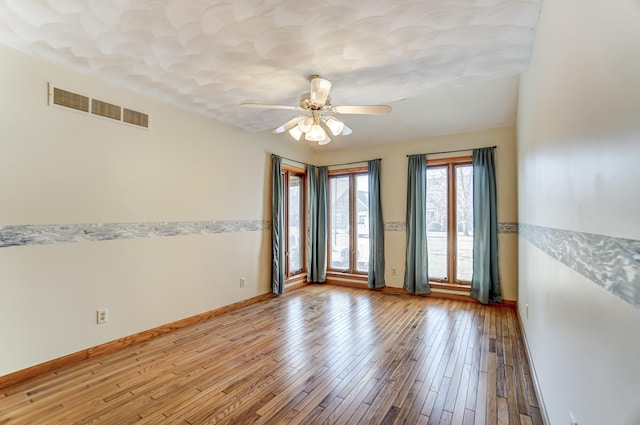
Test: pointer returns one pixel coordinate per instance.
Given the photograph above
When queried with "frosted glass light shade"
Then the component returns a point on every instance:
(324, 141)
(335, 126)
(316, 133)
(305, 124)
(319, 91)
(295, 132)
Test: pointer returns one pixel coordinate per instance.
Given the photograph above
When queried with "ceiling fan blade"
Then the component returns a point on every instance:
(289, 124)
(270, 106)
(362, 109)
(319, 92)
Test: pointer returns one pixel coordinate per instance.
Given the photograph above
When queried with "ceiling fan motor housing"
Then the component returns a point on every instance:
(305, 102)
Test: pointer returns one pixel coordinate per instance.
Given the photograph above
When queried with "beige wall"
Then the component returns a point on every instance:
(394, 182)
(578, 151)
(62, 167)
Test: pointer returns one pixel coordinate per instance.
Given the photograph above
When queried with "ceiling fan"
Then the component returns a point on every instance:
(317, 105)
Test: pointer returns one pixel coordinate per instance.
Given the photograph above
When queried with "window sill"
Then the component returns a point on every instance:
(347, 278)
(295, 281)
(457, 287)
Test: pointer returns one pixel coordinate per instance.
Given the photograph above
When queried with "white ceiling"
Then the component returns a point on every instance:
(445, 66)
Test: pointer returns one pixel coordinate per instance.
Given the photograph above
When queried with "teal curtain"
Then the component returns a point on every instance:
(376, 228)
(312, 223)
(277, 226)
(323, 231)
(416, 272)
(485, 283)
(316, 224)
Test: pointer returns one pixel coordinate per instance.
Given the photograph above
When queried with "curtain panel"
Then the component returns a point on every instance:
(323, 223)
(376, 228)
(316, 224)
(312, 223)
(416, 273)
(485, 283)
(277, 226)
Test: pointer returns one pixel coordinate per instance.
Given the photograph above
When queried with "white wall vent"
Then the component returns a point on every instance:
(78, 102)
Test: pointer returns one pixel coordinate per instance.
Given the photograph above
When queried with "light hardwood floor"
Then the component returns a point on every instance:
(318, 355)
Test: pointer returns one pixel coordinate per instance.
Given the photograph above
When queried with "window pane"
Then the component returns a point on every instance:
(437, 221)
(362, 225)
(339, 219)
(464, 220)
(295, 224)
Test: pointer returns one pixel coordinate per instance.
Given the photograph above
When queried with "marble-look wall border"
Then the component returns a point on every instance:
(612, 263)
(508, 227)
(394, 226)
(400, 226)
(42, 234)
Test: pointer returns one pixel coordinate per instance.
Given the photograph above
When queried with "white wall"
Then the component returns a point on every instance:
(394, 182)
(578, 151)
(62, 167)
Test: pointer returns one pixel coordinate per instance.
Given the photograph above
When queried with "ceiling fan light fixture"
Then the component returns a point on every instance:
(295, 132)
(324, 141)
(305, 124)
(319, 91)
(316, 133)
(318, 120)
(334, 125)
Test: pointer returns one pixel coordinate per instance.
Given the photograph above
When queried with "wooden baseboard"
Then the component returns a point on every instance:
(434, 294)
(46, 367)
(534, 376)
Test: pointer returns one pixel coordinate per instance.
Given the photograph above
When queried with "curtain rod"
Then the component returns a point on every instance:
(458, 150)
(289, 159)
(349, 163)
(331, 165)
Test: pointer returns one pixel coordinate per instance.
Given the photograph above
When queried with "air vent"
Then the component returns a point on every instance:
(136, 118)
(78, 102)
(105, 109)
(70, 100)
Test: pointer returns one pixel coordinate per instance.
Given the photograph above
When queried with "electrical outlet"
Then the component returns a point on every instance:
(242, 282)
(573, 420)
(394, 272)
(102, 316)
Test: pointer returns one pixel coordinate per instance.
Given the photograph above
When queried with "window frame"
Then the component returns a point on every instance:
(287, 171)
(353, 173)
(452, 234)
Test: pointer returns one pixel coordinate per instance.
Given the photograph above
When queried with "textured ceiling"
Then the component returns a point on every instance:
(210, 56)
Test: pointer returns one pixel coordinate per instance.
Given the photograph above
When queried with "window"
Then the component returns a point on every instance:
(349, 221)
(450, 220)
(295, 223)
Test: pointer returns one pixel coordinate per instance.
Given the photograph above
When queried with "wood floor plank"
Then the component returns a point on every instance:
(503, 412)
(318, 355)
(492, 396)
(438, 408)
(480, 410)
(512, 401)
(525, 420)
(469, 417)
(461, 397)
